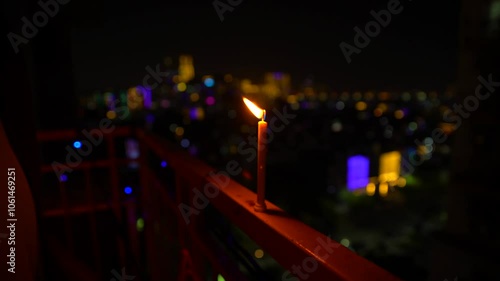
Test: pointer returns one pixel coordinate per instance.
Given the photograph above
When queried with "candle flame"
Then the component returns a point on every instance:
(257, 111)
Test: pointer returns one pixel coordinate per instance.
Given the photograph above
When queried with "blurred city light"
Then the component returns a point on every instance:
(127, 190)
(358, 169)
(390, 166)
(209, 82)
(77, 144)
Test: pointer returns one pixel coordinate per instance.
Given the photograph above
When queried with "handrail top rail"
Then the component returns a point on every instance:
(274, 230)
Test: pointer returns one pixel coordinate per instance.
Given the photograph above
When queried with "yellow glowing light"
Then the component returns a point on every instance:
(194, 97)
(111, 114)
(448, 128)
(401, 182)
(383, 189)
(291, 99)
(361, 105)
(370, 189)
(186, 68)
(259, 253)
(200, 113)
(179, 131)
(181, 87)
(399, 114)
(382, 106)
(228, 78)
(257, 111)
(233, 149)
(377, 112)
(423, 150)
(390, 166)
(388, 177)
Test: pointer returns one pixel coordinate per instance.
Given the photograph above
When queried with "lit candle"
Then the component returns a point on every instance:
(260, 205)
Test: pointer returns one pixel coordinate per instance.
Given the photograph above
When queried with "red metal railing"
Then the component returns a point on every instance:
(174, 249)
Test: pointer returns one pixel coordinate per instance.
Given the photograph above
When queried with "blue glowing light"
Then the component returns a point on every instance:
(150, 118)
(185, 143)
(358, 170)
(63, 178)
(209, 82)
(164, 164)
(128, 190)
(77, 144)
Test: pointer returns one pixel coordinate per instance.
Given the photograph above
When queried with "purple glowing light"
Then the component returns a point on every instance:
(193, 150)
(147, 96)
(210, 100)
(358, 170)
(63, 178)
(132, 148)
(193, 113)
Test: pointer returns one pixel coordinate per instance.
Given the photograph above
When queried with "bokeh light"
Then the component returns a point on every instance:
(77, 144)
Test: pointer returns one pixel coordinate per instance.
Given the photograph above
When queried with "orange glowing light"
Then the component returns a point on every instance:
(383, 189)
(257, 111)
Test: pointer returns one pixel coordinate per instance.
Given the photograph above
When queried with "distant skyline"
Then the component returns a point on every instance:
(418, 49)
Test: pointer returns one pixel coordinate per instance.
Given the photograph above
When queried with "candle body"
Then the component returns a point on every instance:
(260, 205)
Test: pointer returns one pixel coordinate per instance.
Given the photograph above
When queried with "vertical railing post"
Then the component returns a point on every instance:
(92, 219)
(67, 216)
(196, 227)
(185, 195)
(179, 192)
(131, 208)
(113, 167)
(148, 210)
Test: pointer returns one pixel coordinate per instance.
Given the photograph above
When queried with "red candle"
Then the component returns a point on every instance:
(260, 205)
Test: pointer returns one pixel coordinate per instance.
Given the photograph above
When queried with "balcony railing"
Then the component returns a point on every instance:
(169, 247)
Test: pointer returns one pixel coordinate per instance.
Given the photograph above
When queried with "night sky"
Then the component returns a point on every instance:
(112, 44)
